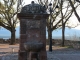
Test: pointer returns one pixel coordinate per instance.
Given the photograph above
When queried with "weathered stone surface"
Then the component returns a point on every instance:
(33, 32)
(33, 46)
(31, 24)
(34, 8)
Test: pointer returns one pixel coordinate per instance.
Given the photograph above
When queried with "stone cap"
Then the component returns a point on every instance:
(32, 16)
(34, 8)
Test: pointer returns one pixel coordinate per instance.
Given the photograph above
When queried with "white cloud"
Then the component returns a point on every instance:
(27, 2)
(78, 27)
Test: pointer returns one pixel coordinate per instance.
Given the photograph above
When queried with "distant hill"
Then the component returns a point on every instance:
(56, 33)
(4, 33)
(69, 34)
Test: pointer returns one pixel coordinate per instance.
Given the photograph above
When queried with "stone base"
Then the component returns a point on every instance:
(42, 55)
(22, 55)
(33, 56)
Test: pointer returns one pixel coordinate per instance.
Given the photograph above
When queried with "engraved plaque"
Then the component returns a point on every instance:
(33, 24)
(33, 35)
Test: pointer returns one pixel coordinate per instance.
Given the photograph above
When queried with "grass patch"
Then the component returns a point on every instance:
(69, 46)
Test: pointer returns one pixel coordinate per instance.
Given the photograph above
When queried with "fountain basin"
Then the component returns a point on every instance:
(33, 46)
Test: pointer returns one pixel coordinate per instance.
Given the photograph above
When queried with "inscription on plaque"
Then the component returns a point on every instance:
(33, 24)
(33, 35)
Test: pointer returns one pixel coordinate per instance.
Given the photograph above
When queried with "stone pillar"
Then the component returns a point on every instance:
(32, 28)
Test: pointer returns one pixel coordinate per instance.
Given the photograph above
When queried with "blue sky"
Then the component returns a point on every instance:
(56, 33)
(68, 32)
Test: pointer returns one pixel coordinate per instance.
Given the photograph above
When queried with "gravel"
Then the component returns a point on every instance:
(58, 53)
(54, 55)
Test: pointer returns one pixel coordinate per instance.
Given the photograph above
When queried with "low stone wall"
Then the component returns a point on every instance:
(58, 42)
(2, 41)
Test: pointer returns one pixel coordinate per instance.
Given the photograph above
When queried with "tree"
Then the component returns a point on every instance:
(64, 17)
(68, 9)
(63, 24)
(8, 16)
(57, 18)
(54, 20)
(73, 7)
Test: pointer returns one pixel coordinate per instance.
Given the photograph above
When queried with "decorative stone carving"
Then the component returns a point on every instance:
(34, 8)
(33, 24)
(33, 46)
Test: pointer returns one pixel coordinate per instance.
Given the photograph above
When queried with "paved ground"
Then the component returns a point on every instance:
(7, 52)
(64, 55)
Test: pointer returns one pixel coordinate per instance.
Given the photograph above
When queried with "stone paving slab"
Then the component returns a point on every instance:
(57, 53)
(50, 56)
(58, 56)
(67, 56)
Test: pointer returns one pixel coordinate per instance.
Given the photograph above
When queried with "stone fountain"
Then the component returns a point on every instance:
(32, 32)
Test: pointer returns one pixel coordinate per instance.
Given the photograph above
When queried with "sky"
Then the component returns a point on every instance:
(73, 20)
(28, 1)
